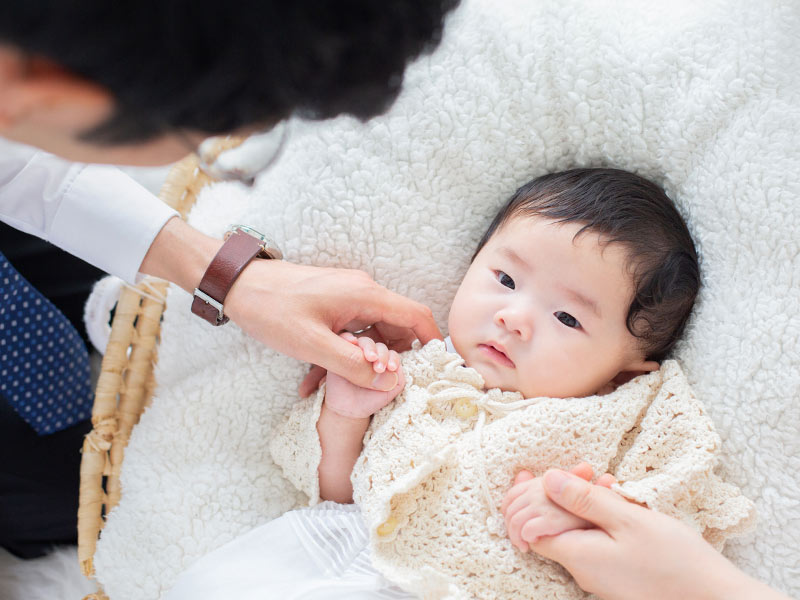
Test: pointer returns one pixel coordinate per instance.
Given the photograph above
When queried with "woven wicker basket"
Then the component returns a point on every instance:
(126, 383)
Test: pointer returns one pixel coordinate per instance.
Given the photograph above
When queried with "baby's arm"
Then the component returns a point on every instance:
(530, 514)
(345, 417)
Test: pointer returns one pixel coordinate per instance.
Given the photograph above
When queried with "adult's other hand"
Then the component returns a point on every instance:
(638, 553)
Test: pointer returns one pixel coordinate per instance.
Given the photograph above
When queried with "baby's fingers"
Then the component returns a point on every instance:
(552, 523)
(514, 526)
(533, 529)
(394, 361)
(383, 357)
(519, 504)
(349, 337)
(606, 480)
(536, 528)
(518, 488)
(367, 346)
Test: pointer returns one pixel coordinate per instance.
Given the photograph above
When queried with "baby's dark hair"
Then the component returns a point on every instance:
(627, 209)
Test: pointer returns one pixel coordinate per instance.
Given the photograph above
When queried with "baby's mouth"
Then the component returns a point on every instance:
(497, 353)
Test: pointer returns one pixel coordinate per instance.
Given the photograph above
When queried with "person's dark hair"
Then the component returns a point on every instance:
(627, 209)
(218, 66)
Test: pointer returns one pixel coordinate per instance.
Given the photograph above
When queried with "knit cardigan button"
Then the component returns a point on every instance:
(387, 527)
(465, 408)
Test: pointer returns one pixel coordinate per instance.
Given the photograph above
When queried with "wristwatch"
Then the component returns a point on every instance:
(242, 244)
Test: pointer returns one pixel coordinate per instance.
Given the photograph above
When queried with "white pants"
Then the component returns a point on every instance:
(319, 553)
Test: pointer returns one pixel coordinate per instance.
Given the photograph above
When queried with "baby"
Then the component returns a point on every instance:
(584, 281)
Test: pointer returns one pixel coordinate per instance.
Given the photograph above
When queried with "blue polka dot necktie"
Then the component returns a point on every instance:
(44, 365)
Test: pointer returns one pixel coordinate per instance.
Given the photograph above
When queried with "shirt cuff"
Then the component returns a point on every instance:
(109, 220)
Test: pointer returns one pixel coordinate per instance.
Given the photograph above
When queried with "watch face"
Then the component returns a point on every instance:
(249, 231)
(269, 247)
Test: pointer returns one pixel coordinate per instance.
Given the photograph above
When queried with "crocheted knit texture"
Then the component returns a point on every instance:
(434, 470)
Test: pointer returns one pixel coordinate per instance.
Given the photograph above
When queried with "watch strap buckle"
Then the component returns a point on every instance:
(210, 302)
(241, 245)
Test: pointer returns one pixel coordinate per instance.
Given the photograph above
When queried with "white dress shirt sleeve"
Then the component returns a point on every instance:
(97, 213)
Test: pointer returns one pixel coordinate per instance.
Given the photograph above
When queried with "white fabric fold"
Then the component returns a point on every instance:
(97, 213)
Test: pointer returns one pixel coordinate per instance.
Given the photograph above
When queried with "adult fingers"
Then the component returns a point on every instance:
(606, 480)
(397, 338)
(594, 503)
(399, 311)
(311, 381)
(583, 470)
(347, 360)
(570, 547)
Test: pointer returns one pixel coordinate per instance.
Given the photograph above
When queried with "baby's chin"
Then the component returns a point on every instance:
(491, 381)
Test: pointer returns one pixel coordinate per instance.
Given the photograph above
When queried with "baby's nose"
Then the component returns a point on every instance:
(516, 322)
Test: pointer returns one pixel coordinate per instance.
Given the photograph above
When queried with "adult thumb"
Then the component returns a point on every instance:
(594, 503)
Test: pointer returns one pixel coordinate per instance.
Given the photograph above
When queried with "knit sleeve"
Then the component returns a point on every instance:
(295, 446)
(412, 438)
(667, 462)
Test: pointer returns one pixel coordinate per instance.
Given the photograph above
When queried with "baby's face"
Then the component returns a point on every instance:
(543, 314)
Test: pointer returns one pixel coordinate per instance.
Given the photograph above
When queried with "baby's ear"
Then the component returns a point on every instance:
(644, 366)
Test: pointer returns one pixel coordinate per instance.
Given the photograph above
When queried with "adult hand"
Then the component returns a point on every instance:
(297, 309)
(349, 400)
(529, 513)
(394, 338)
(638, 553)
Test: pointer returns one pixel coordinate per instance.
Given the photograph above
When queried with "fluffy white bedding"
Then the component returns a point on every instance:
(702, 97)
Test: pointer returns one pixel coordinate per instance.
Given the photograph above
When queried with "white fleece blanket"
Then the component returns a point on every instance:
(703, 97)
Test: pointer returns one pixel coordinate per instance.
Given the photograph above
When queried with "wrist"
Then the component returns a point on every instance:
(345, 419)
(739, 586)
(345, 434)
(180, 254)
(726, 582)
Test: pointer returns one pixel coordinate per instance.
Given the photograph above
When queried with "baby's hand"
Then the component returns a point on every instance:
(350, 400)
(530, 514)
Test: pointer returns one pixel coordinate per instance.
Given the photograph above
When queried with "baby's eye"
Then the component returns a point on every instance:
(567, 319)
(505, 280)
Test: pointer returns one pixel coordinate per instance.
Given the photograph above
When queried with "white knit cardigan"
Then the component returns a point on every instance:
(438, 460)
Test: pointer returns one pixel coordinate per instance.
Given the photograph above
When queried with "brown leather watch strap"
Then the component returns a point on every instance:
(234, 255)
